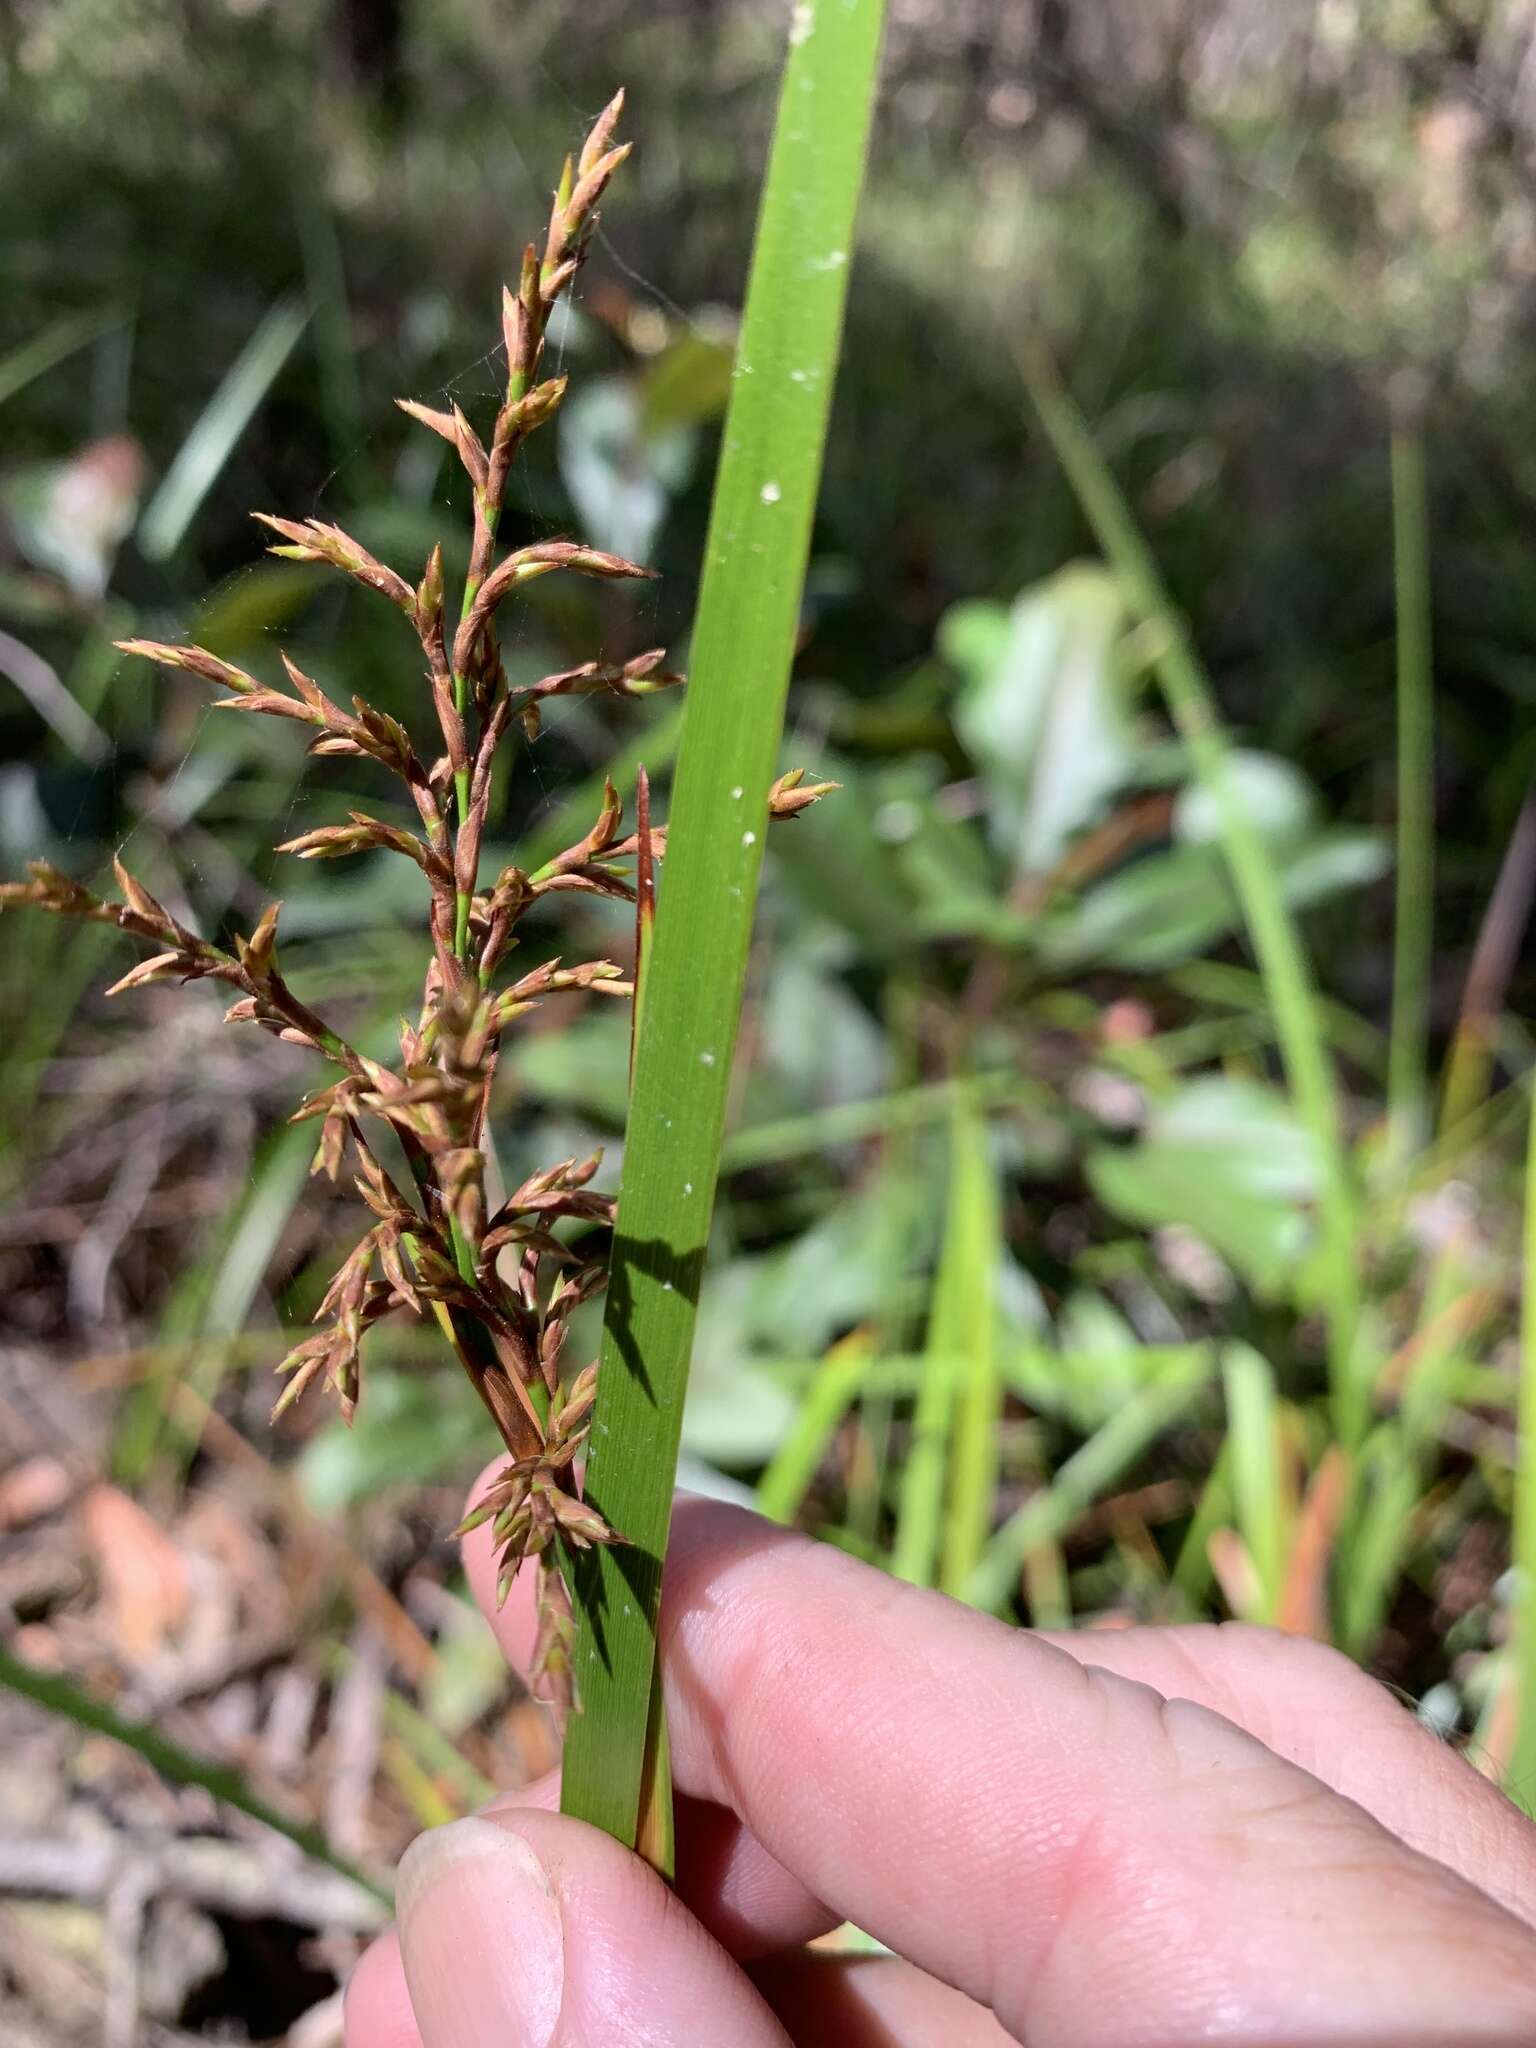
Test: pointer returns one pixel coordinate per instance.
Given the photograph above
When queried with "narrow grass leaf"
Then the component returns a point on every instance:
(1400, 1454)
(743, 644)
(217, 430)
(961, 1352)
(974, 1259)
(214, 1299)
(70, 1702)
(22, 365)
(1258, 1489)
(1192, 1575)
(825, 1401)
(1047, 1516)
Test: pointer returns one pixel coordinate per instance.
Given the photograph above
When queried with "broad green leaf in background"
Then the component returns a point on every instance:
(1276, 798)
(1331, 861)
(843, 870)
(1094, 1362)
(246, 609)
(838, 1272)
(620, 477)
(1153, 914)
(1172, 906)
(815, 1037)
(942, 861)
(736, 1413)
(583, 1066)
(1228, 1160)
(1041, 709)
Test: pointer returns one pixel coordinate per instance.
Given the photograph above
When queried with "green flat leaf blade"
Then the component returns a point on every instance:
(743, 645)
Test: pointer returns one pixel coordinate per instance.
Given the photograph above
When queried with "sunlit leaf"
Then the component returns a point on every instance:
(1226, 1159)
(1042, 710)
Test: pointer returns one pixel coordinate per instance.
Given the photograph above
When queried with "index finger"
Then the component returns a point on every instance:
(1307, 1703)
(1093, 1860)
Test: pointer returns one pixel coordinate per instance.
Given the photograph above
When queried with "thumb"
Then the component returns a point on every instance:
(532, 1930)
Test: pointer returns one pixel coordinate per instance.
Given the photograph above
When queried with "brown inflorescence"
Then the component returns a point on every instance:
(502, 1283)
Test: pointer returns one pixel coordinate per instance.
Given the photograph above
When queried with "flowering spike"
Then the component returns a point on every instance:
(505, 1287)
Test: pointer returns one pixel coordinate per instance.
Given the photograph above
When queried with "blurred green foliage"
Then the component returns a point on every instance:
(234, 231)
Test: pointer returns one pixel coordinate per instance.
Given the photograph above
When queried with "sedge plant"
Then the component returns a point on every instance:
(501, 1282)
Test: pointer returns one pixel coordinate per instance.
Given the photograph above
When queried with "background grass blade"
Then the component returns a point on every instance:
(1047, 1515)
(977, 1220)
(212, 1303)
(1414, 937)
(1258, 1489)
(920, 1511)
(61, 1696)
(789, 1473)
(1271, 927)
(57, 341)
(940, 1533)
(758, 543)
(216, 430)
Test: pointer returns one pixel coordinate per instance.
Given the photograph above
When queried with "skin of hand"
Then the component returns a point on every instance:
(1144, 1838)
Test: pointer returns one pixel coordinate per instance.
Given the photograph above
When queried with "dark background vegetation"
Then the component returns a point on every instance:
(231, 232)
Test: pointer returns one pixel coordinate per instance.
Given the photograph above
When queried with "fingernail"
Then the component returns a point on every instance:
(481, 1938)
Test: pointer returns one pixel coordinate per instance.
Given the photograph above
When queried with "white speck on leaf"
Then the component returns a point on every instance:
(706, 1059)
(687, 1187)
(770, 493)
(737, 793)
(749, 839)
(801, 23)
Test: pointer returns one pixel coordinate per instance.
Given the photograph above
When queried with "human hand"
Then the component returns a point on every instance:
(1140, 1839)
